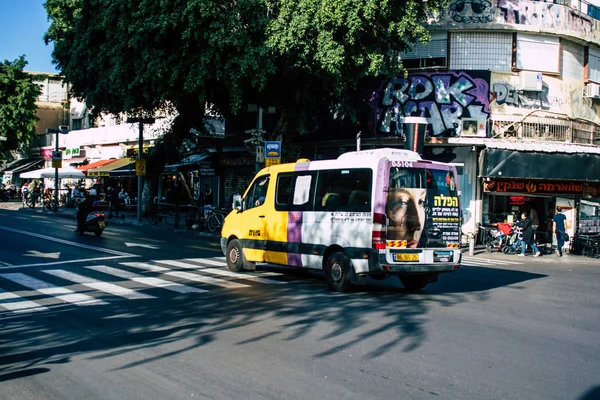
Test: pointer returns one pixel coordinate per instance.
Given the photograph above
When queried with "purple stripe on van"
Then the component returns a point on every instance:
(294, 235)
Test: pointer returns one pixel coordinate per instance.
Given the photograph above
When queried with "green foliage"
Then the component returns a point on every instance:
(304, 57)
(18, 94)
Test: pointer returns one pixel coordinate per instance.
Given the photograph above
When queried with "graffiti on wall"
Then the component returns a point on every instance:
(532, 13)
(504, 93)
(443, 98)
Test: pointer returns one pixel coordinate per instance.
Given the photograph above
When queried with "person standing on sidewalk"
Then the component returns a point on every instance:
(113, 201)
(528, 239)
(559, 229)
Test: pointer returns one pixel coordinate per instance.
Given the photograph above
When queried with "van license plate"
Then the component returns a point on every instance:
(406, 257)
(101, 224)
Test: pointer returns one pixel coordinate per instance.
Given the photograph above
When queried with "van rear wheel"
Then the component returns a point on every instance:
(414, 282)
(338, 272)
(236, 261)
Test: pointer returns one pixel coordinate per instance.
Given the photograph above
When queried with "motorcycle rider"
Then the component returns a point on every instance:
(83, 209)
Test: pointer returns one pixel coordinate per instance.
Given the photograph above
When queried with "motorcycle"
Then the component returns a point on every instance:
(95, 222)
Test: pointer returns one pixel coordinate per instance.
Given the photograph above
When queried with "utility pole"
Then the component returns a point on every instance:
(57, 159)
(141, 121)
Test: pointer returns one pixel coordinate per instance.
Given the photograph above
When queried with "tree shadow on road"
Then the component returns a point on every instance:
(301, 309)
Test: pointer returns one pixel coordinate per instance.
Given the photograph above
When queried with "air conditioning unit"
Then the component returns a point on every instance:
(592, 90)
(531, 81)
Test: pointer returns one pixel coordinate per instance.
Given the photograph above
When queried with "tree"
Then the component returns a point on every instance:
(18, 94)
(301, 56)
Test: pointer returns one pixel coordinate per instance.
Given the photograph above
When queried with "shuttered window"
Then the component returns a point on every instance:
(538, 53)
(428, 55)
(594, 64)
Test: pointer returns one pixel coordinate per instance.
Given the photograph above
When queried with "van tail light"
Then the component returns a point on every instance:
(379, 229)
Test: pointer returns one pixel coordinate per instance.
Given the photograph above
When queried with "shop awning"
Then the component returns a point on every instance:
(127, 170)
(534, 160)
(104, 170)
(95, 164)
(192, 161)
(27, 166)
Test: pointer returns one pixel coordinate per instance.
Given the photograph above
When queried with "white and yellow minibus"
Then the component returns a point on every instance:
(373, 213)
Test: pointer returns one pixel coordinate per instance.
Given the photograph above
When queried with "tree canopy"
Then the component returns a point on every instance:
(18, 94)
(301, 56)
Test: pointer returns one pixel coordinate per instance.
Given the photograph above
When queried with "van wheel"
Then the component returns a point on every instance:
(338, 272)
(236, 261)
(414, 282)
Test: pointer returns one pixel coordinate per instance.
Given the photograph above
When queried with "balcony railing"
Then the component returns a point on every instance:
(550, 129)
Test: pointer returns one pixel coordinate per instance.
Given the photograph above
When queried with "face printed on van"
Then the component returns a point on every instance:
(406, 212)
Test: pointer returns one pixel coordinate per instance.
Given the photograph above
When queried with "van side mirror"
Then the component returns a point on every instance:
(237, 202)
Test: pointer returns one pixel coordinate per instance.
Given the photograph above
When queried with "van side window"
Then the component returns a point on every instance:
(293, 191)
(257, 193)
(283, 192)
(344, 190)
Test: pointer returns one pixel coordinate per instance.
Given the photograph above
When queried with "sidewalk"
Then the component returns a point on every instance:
(130, 218)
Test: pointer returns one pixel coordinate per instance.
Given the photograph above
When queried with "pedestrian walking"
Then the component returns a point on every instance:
(113, 201)
(527, 237)
(535, 221)
(559, 229)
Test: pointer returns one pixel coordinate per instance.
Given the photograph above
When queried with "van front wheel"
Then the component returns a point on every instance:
(236, 261)
(338, 272)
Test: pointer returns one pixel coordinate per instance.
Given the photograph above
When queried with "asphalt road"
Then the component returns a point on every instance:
(144, 313)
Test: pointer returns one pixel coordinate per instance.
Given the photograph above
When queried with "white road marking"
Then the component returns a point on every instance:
(206, 279)
(11, 302)
(67, 242)
(98, 285)
(146, 266)
(46, 264)
(236, 275)
(156, 282)
(60, 293)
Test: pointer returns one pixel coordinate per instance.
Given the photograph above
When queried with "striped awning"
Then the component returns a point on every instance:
(104, 170)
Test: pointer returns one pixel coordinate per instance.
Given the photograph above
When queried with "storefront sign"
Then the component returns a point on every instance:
(541, 187)
(516, 200)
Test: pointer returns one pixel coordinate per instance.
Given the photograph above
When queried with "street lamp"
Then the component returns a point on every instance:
(64, 130)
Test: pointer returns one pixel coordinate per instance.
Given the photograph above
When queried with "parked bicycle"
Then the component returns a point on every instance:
(215, 218)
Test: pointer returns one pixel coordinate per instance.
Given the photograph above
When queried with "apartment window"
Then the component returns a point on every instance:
(76, 124)
(490, 51)
(594, 65)
(538, 53)
(429, 55)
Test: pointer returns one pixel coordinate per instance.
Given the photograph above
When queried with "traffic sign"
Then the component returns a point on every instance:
(273, 149)
(56, 163)
(140, 167)
(272, 161)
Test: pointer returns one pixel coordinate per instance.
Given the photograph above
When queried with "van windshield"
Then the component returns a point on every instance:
(422, 207)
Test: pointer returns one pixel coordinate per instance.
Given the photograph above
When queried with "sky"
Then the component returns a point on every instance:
(22, 27)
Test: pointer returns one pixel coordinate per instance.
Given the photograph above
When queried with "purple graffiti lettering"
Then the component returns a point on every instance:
(442, 98)
(443, 90)
(420, 87)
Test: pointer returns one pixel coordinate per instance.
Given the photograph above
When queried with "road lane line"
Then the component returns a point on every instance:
(60, 293)
(67, 242)
(205, 248)
(11, 302)
(156, 282)
(206, 279)
(98, 285)
(47, 264)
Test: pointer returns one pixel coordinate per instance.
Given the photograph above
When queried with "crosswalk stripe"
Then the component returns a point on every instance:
(11, 302)
(223, 263)
(60, 293)
(238, 275)
(488, 261)
(206, 279)
(146, 266)
(156, 282)
(98, 285)
(175, 263)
